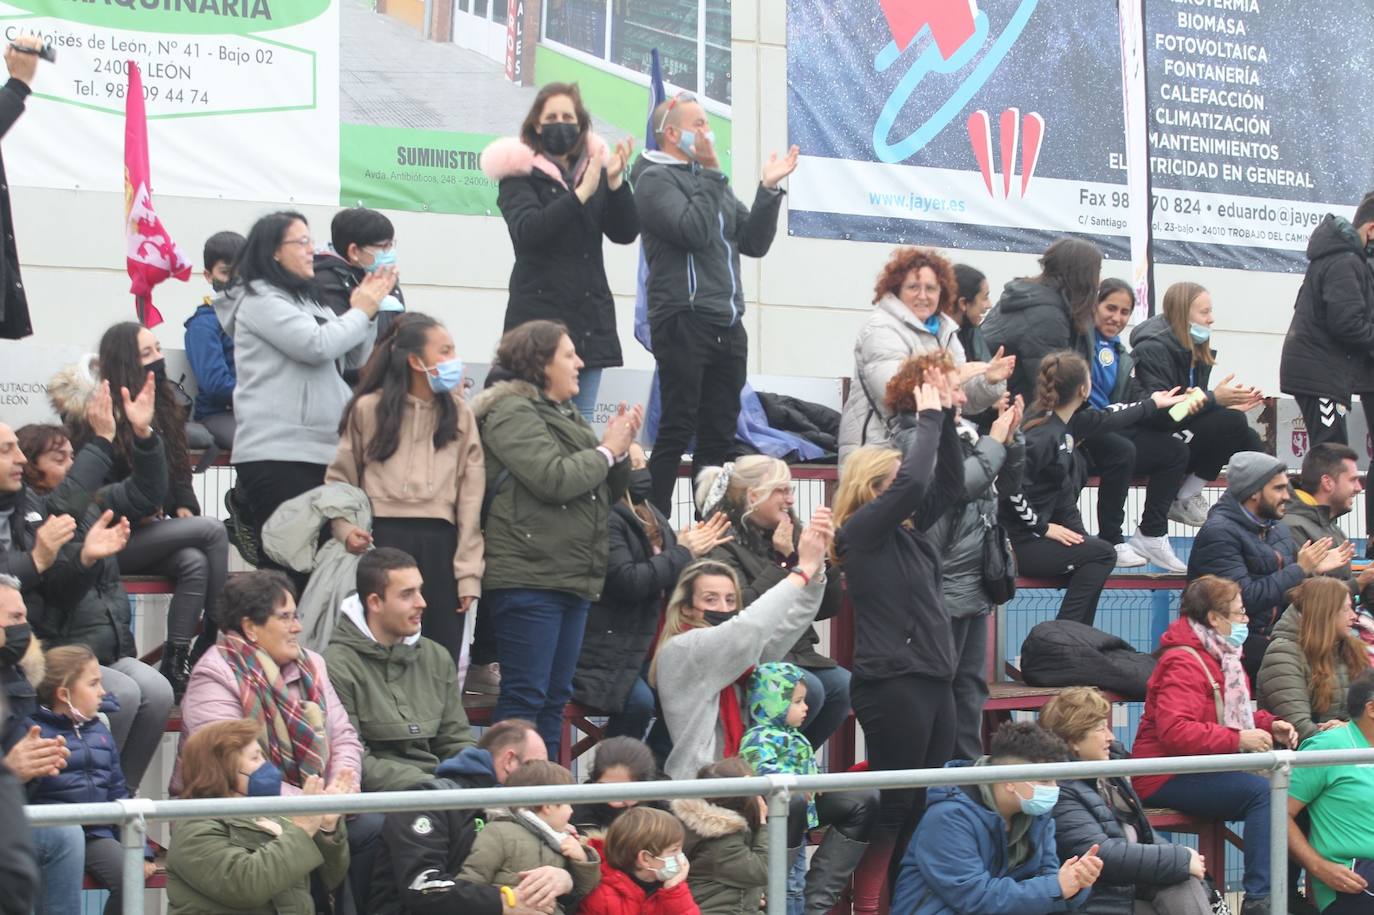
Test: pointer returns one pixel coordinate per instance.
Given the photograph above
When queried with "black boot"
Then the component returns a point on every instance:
(176, 667)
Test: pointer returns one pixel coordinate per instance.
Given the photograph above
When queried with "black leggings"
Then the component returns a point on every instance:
(194, 553)
(1212, 437)
(853, 814)
(908, 723)
(1088, 565)
(1138, 452)
(263, 486)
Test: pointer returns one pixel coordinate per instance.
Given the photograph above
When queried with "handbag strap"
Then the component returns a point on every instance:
(1216, 690)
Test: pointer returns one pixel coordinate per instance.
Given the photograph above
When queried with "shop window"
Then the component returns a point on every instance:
(579, 24)
(638, 26)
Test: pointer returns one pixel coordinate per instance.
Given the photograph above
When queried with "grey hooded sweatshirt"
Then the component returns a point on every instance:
(695, 666)
(290, 397)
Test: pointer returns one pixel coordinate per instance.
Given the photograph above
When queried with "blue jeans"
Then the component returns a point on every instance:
(588, 383)
(633, 720)
(827, 703)
(796, 883)
(1228, 796)
(61, 852)
(538, 639)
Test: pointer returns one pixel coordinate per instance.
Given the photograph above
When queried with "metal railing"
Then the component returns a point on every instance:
(133, 815)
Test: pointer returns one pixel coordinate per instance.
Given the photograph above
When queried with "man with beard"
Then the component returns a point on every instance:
(1243, 541)
(1324, 491)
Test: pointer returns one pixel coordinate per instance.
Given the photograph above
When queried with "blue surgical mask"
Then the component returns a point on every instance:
(688, 138)
(1200, 333)
(391, 303)
(265, 781)
(449, 377)
(1239, 633)
(1042, 800)
(383, 258)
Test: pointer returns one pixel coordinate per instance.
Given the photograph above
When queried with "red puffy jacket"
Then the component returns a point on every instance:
(1180, 716)
(617, 894)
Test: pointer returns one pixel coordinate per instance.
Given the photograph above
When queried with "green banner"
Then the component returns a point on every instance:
(420, 170)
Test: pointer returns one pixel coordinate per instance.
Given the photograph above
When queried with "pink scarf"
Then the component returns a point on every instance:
(1236, 687)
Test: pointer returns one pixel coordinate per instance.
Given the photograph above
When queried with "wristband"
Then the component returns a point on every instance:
(797, 570)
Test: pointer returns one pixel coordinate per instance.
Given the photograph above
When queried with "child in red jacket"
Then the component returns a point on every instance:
(643, 869)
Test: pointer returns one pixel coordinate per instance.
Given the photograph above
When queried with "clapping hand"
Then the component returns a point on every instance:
(367, 296)
(1336, 557)
(1008, 420)
(620, 160)
(1313, 553)
(345, 782)
(776, 169)
(311, 824)
(105, 538)
(927, 396)
(51, 536)
(1001, 367)
(590, 180)
(100, 412)
(706, 535)
(1166, 399)
(35, 756)
(1284, 734)
(1079, 873)
(1242, 397)
(815, 541)
(622, 429)
(139, 410)
(782, 537)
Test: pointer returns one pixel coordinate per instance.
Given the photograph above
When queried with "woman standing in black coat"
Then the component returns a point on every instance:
(646, 558)
(561, 189)
(1140, 871)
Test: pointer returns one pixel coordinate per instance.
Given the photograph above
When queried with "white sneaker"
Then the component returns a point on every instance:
(1158, 551)
(1127, 558)
(1192, 512)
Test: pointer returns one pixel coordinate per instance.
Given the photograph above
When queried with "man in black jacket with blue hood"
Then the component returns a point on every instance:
(694, 230)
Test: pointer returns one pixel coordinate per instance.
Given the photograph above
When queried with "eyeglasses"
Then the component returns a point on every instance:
(683, 97)
(289, 617)
(305, 242)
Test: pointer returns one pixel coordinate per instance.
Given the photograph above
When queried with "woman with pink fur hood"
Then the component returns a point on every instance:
(561, 189)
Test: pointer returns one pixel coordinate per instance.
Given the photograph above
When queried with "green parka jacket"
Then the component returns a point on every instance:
(245, 866)
(550, 493)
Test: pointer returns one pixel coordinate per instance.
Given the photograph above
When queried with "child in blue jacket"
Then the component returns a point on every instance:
(989, 849)
(209, 349)
(69, 697)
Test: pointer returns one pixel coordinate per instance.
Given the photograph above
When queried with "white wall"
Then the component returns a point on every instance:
(806, 298)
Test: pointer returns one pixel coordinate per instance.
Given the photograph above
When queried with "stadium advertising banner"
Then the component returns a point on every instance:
(998, 124)
(385, 103)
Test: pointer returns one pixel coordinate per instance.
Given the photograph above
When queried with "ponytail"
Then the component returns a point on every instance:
(1062, 375)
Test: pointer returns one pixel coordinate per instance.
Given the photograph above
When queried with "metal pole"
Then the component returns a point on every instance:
(777, 846)
(133, 835)
(1279, 779)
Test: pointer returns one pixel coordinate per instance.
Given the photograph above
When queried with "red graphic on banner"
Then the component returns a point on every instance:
(950, 21)
(1013, 130)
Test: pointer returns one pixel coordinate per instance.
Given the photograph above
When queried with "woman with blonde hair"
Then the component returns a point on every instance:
(707, 649)
(1106, 813)
(755, 494)
(904, 659)
(1312, 658)
(1173, 350)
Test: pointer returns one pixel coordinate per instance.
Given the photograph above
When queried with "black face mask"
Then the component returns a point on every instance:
(559, 139)
(716, 617)
(159, 370)
(219, 286)
(641, 485)
(16, 643)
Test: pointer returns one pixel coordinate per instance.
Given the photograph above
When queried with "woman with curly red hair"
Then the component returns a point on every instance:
(915, 291)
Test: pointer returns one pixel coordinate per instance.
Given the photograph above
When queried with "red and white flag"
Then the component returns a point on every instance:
(150, 253)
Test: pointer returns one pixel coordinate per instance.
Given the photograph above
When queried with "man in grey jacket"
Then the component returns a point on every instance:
(694, 230)
(1324, 491)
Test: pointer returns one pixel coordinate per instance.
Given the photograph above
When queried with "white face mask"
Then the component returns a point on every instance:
(670, 869)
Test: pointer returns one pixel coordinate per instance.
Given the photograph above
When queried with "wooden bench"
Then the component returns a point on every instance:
(1212, 836)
